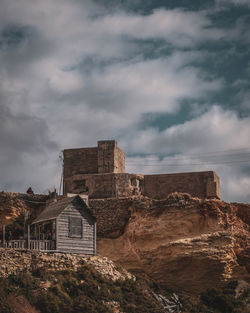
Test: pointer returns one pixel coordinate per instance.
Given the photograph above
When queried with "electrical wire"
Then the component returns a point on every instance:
(209, 154)
(188, 164)
(185, 158)
(208, 159)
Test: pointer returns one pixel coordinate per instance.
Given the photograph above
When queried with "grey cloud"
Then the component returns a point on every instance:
(215, 128)
(13, 36)
(25, 146)
(28, 134)
(20, 45)
(51, 100)
(235, 2)
(190, 147)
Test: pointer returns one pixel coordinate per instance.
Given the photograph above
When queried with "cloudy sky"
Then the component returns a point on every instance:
(169, 80)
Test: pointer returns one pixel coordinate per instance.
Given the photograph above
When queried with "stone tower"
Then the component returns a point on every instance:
(111, 159)
(79, 164)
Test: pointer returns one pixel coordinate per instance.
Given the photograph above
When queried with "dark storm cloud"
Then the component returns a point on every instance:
(14, 35)
(20, 45)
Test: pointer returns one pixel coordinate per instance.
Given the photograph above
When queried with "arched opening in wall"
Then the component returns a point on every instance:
(80, 186)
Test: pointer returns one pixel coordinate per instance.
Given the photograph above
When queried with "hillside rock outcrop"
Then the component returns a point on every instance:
(14, 205)
(22, 261)
(185, 243)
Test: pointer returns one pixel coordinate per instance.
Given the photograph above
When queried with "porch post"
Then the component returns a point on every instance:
(56, 245)
(28, 239)
(3, 236)
(95, 252)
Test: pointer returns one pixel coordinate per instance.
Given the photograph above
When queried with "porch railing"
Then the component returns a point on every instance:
(15, 244)
(43, 245)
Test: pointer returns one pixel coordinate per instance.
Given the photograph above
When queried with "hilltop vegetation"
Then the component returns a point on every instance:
(77, 291)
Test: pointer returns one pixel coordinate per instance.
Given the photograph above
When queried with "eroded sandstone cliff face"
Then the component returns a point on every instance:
(185, 243)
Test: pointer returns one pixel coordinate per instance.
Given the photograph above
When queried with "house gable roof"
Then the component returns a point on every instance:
(54, 209)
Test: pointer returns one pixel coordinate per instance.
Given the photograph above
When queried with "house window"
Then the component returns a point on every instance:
(75, 227)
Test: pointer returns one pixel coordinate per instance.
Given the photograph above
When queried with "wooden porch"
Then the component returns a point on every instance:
(37, 237)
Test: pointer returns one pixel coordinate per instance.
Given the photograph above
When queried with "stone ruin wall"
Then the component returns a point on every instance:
(119, 156)
(197, 184)
(112, 215)
(105, 185)
(111, 159)
(106, 158)
(100, 173)
(80, 161)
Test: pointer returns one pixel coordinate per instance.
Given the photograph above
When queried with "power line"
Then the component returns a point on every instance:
(181, 159)
(188, 164)
(209, 154)
(194, 155)
(185, 158)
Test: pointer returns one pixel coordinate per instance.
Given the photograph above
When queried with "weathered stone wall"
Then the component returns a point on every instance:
(197, 184)
(96, 185)
(106, 158)
(80, 161)
(21, 261)
(111, 159)
(200, 184)
(119, 157)
(128, 185)
(111, 215)
(105, 185)
(100, 173)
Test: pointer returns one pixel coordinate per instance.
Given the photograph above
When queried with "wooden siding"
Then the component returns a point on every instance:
(84, 245)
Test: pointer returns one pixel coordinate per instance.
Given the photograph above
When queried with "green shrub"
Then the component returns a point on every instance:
(222, 300)
(48, 303)
(4, 291)
(84, 290)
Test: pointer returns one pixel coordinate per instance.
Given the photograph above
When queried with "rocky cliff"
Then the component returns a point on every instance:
(14, 262)
(185, 243)
(40, 282)
(14, 205)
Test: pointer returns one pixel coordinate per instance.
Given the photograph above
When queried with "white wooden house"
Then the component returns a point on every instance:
(65, 225)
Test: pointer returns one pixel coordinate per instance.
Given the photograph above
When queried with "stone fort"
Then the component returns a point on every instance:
(99, 172)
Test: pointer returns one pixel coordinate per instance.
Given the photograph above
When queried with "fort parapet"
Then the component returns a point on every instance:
(100, 173)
